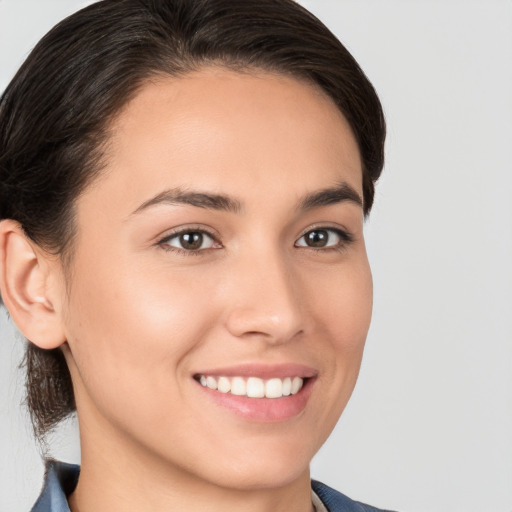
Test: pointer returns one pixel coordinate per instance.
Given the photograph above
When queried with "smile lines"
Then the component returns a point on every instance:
(253, 387)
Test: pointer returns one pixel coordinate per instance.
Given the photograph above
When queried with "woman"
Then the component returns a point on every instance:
(183, 188)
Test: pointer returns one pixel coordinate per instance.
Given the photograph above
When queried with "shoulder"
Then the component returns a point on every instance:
(334, 501)
(60, 481)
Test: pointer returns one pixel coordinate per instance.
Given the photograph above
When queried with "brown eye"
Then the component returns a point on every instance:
(323, 238)
(190, 241)
(317, 238)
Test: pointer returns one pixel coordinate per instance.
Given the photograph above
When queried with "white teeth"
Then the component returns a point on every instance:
(287, 386)
(296, 385)
(253, 387)
(224, 386)
(274, 388)
(238, 386)
(211, 382)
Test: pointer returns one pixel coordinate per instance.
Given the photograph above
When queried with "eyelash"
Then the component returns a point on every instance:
(164, 242)
(345, 239)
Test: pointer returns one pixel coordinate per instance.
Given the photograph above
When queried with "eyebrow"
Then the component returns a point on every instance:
(329, 196)
(177, 196)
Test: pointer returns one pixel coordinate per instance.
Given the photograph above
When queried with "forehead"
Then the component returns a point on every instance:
(229, 132)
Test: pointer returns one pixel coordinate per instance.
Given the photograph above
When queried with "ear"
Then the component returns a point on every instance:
(27, 285)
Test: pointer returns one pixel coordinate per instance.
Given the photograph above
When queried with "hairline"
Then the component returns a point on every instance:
(99, 155)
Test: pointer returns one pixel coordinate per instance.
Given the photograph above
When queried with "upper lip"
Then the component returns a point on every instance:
(264, 371)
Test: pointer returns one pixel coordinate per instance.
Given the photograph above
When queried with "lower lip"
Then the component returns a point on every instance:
(263, 409)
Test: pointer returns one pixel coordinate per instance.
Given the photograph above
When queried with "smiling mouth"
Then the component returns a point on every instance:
(252, 387)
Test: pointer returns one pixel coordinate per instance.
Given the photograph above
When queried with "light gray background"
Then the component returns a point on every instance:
(429, 427)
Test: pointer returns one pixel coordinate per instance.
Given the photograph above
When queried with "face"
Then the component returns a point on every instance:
(220, 293)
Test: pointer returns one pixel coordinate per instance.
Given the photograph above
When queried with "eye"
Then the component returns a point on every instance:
(323, 238)
(190, 240)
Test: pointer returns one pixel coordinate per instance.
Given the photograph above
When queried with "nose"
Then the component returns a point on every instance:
(265, 300)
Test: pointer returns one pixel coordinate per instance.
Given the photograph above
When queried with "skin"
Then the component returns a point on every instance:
(138, 317)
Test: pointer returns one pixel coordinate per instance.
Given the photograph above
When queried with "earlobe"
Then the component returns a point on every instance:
(25, 287)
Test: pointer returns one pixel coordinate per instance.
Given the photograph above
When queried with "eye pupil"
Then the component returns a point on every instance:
(191, 241)
(317, 238)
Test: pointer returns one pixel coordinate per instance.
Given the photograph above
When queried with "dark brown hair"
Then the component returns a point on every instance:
(55, 112)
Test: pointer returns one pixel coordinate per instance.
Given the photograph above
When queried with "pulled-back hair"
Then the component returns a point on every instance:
(54, 115)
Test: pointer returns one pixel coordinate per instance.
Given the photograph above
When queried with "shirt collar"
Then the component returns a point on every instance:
(60, 482)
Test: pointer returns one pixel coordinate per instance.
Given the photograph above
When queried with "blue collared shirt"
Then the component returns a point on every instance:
(61, 480)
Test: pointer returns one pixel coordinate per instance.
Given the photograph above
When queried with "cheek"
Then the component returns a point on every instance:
(125, 309)
(345, 306)
(343, 310)
(341, 307)
(130, 334)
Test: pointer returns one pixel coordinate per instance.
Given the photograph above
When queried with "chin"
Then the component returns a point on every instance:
(263, 477)
(264, 469)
